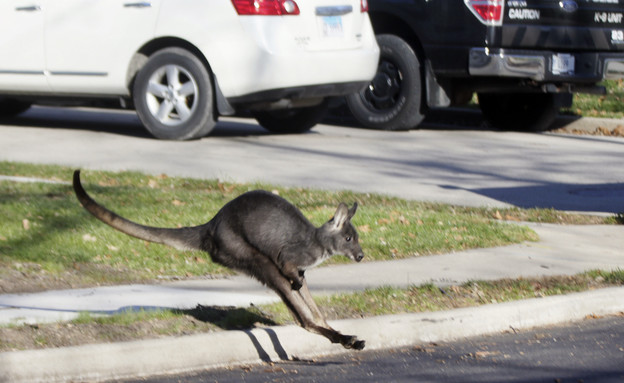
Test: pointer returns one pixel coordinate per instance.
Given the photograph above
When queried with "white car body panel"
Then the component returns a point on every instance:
(89, 43)
(85, 48)
(289, 49)
(22, 60)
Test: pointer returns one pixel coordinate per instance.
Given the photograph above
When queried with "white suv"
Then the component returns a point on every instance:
(182, 63)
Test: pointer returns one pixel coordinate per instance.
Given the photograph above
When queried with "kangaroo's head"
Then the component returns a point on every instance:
(339, 236)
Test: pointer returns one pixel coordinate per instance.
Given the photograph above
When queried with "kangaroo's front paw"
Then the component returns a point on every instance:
(352, 342)
(296, 284)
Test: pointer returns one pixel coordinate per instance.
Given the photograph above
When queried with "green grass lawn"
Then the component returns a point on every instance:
(46, 233)
(610, 105)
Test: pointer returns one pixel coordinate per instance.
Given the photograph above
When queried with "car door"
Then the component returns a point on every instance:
(90, 43)
(21, 46)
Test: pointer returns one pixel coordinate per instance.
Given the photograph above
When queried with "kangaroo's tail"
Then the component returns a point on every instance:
(185, 238)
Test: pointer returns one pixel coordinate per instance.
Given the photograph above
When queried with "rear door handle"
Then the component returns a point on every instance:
(138, 4)
(29, 8)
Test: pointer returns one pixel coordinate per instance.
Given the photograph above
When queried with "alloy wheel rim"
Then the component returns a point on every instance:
(172, 95)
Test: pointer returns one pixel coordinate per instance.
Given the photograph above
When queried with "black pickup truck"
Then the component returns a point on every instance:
(523, 58)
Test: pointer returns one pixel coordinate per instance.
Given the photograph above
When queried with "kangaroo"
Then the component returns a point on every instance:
(264, 236)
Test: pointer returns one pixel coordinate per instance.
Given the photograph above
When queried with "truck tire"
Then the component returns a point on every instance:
(11, 108)
(393, 100)
(173, 96)
(528, 112)
(295, 120)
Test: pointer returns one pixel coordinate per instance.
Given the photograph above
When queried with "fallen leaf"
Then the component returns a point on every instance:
(485, 354)
(88, 238)
(225, 189)
(26, 224)
(498, 215)
(176, 202)
(364, 229)
(108, 182)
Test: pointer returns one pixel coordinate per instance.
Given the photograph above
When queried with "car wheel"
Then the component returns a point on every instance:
(11, 108)
(294, 120)
(173, 96)
(529, 112)
(393, 100)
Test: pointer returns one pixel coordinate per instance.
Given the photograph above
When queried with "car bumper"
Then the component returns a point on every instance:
(545, 65)
(296, 96)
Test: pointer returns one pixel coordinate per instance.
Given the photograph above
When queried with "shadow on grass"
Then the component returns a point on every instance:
(228, 318)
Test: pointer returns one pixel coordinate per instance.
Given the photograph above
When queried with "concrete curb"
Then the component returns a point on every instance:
(191, 353)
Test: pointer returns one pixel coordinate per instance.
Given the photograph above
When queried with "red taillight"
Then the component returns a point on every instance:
(266, 7)
(364, 6)
(489, 12)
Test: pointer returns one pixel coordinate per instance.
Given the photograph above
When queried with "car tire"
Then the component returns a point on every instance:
(11, 108)
(528, 112)
(293, 120)
(394, 99)
(173, 96)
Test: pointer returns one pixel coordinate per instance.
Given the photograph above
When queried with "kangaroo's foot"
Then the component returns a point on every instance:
(352, 342)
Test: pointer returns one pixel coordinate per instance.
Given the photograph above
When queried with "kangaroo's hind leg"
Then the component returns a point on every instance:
(307, 298)
(308, 317)
(320, 318)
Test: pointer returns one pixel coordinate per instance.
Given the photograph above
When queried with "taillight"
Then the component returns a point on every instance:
(266, 7)
(489, 12)
(364, 6)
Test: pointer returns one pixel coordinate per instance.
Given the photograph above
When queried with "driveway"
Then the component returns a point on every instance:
(467, 166)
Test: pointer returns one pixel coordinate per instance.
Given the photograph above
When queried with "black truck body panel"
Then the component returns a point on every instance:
(569, 43)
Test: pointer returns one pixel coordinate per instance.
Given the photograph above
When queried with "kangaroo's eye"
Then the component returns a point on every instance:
(348, 239)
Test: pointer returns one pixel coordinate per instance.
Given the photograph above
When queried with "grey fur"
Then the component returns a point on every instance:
(264, 236)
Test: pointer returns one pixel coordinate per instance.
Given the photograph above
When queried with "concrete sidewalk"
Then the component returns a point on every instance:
(562, 250)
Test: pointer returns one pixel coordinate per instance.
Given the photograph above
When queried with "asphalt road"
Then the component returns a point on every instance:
(591, 351)
(467, 166)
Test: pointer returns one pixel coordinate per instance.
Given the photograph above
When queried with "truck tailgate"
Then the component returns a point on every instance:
(561, 25)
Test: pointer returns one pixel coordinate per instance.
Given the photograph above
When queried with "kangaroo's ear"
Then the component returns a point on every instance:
(353, 210)
(341, 216)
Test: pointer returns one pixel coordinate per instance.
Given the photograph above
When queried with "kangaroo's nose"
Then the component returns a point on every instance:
(359, 257)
